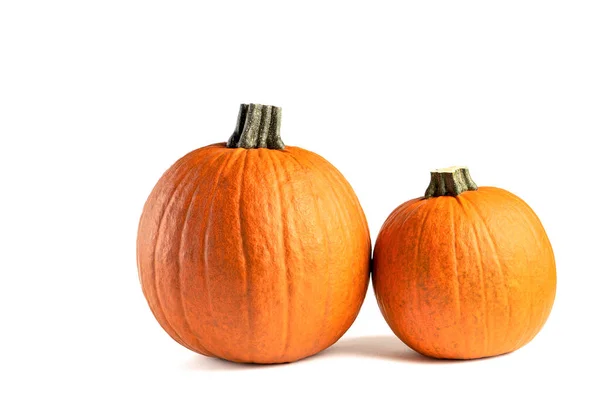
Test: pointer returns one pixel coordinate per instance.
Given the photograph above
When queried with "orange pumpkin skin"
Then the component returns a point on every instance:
(465, 276)
(254, 255)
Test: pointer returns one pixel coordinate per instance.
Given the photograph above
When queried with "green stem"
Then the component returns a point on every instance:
(257, 127)
(450, 182)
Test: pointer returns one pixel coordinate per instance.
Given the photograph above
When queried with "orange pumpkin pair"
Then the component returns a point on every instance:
(253, 251)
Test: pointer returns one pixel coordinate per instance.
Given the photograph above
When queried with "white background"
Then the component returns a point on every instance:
(98, 98)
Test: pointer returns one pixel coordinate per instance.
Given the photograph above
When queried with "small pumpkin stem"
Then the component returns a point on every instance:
(257, 127)
(450, 182)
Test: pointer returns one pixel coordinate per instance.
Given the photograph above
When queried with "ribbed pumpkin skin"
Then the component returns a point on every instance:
(257, 256)
(464, 277)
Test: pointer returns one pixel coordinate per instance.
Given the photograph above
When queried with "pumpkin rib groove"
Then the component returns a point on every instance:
(207, 231)
(342, 213)
(388, 224)
(176, 168)
(483, 288)
(325, 245)
(190, 207)
(173, 171)
(455, 259)
(293, 223)
(418, 246)
(208, 219)
(415, 204)
(526, 333)
(159, 308)
(287, 316)
(158, 234)
(185, 182)
(244, 256)
(178, 263)
(335, 176)
(494, 246)
(327, 308)
(462, 245)
(326, 176)
(523, 337)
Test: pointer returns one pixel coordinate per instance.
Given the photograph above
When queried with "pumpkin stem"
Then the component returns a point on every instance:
(257, 127)
(450, 182)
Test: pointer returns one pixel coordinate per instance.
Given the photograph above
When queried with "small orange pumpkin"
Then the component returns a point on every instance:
(252, 251)
(464, 272)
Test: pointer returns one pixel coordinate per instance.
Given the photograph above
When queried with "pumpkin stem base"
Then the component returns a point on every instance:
(257, 127)
(450, 181)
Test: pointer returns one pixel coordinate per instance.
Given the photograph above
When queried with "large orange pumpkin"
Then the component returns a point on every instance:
(252, 251)
(464, 272)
